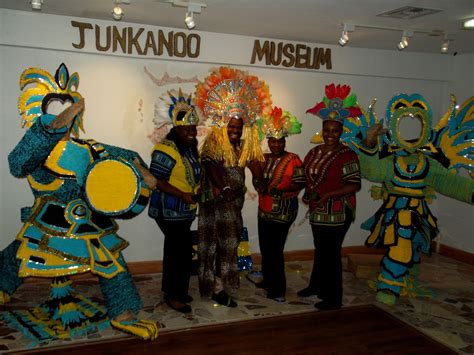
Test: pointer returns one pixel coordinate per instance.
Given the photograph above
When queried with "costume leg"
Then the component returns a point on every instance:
(9, 266)
(120, 293)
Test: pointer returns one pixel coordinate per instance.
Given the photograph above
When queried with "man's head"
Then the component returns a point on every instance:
(235, 129)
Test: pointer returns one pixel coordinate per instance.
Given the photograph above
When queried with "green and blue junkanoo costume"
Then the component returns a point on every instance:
(411, 171)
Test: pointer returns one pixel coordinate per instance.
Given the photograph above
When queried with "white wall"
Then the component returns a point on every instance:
(120, 99)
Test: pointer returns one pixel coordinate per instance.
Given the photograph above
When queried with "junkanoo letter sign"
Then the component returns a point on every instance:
(138, 41)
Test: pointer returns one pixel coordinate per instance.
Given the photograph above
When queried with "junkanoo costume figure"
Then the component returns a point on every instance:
(411, 171)
(278, 200)
(232, 100)
(79, 187)
(176, 166)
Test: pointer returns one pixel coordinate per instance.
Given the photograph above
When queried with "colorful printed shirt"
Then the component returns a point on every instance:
(281, 205)
(181, 171)
(329, 172)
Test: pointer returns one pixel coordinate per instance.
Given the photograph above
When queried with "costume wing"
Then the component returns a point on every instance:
(453, 137)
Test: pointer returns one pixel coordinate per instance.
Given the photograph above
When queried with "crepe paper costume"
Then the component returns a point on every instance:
(332, 170)
(411, 171)
(227, 93)
(79, 186)
(178, 165)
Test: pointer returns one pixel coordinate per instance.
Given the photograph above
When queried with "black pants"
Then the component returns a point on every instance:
(326, 277)
(177, 255)
(272, 238)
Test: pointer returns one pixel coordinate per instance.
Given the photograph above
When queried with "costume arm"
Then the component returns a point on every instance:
(373, 168)
(449, 184)
(34, 147)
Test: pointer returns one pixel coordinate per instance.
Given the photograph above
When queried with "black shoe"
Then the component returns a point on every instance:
(306, 292)
(183, 308)
(327, 306)
(224, 299)
(186, 299)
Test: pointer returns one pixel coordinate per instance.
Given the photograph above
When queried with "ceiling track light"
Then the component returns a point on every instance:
(445, 44)
(405, 40)
(36, 4)
(189, 20)
(117, 11)
(192, 8)
(345, 34)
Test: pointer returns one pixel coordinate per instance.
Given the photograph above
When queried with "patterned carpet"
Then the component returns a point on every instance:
(447, 318)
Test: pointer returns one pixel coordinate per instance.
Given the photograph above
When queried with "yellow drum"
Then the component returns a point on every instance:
(114, 188)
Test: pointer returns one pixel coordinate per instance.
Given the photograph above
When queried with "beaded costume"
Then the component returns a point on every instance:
(411, 171)
(79, 187)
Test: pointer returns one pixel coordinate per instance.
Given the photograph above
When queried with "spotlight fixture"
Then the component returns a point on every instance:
(192, 8)
(469, 24)
(405, 40)
(36, 4)
(117, 12)
(445, 45)
(189, 20)
(345, 34)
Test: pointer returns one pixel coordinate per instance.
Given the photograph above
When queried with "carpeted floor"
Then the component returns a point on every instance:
(447, 318)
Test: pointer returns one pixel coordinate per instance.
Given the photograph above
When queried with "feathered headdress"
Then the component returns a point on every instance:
(33, 102)
(228, 93)
(278, 124)
(337, 104)
(179, 108)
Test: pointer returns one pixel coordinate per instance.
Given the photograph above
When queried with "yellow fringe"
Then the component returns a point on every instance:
(218, 147)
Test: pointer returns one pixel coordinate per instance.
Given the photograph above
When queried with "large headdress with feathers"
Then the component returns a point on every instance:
(42, 89)
(278, 124)
(229, 93)
(179, 108)
(337, 105)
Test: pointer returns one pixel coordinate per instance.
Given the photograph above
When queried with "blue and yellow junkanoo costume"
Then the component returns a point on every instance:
(79, 187)
(411, 171)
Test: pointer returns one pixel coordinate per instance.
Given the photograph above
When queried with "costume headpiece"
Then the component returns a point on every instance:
(33, 102)
(278, 124)
(230, 93)
(180, 108)
(337, 105)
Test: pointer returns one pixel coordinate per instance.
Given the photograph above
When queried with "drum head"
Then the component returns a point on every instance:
(112, 186)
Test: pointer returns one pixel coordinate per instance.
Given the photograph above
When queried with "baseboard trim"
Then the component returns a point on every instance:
(456, 254)
(156, 266)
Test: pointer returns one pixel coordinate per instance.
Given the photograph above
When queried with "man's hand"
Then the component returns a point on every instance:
(372, 133)
(66, 117)
(148, 177)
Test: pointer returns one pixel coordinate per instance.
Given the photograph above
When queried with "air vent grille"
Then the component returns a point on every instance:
(409, 12)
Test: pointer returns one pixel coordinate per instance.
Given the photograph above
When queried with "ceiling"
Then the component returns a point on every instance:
(316, 21)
